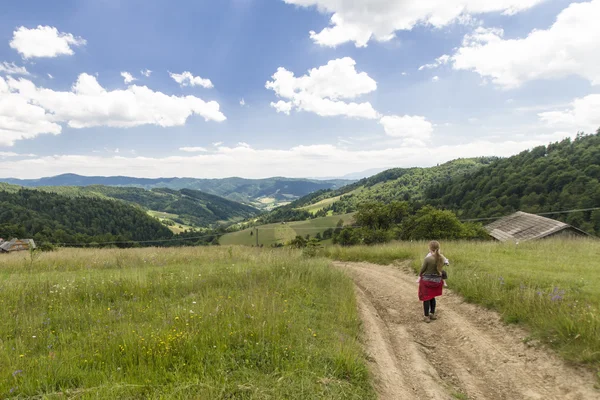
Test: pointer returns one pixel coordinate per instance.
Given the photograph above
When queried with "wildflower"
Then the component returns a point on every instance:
(17, 372)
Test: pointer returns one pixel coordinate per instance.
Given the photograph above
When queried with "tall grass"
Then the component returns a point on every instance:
(192, 323)
(551, 286)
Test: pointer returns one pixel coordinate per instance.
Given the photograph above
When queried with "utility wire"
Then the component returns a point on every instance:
(295, 229)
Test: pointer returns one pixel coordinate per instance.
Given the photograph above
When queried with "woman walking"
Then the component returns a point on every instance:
(430, 280)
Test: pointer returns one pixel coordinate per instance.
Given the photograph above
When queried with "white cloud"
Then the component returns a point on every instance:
(441, 60)
(243, 144)
(404, 73)
(44, 41)
(299, 161)
(242, 102)
(127, 77)
(27, 110)
(321, 90)
(360, 21)
(413, 130)
(582, 116)
(435, 78)
(282, 107)
(187, 79)
(146, 72)
(193, 149)
(12, 154)
(13, 69)
(569, 47)
(19, 119)
(217, 144)
(50, 76)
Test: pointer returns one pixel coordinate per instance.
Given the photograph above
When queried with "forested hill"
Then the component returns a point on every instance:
(186, 206)
(257, 192)
(390, 185)
(560, 176)
(53, 218)
(192, 207)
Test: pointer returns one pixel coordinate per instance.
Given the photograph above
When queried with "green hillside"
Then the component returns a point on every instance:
(186, 207)
(271, 234)
(394, 184)
(54, 218)
(260, 193)
(560, 176)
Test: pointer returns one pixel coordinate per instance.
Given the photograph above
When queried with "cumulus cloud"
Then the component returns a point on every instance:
(413, 130)
(193, 149)
(187, 79)
(146, 72)
(27, 110)
(581, 116)
(362, 21)
(44, 41)
(127, 77)
(569, 47)
(441, 60)
(323, 90)
(297, 161)
(13, 69)
(435, 78)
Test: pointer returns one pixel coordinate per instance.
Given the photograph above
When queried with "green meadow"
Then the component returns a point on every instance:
(283, 232)
(552, 287)
(189, 323)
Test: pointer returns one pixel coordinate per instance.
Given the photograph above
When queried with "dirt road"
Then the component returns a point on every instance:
(468, 353)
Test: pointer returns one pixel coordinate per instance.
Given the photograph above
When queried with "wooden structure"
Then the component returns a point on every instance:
(16, 245)
(521, 226)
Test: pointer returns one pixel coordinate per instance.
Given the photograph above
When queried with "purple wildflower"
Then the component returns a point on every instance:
(17, 372)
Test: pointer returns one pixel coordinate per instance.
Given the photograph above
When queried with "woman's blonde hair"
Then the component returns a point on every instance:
(434, 247)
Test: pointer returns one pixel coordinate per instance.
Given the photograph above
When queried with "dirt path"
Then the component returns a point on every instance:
(468, 353)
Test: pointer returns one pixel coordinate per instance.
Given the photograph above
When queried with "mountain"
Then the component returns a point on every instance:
(558, 177)
(261, 193)
(54, 218)
(183, 208)
(393, 184)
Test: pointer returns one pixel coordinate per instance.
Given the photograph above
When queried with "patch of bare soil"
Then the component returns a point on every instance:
(466, 353)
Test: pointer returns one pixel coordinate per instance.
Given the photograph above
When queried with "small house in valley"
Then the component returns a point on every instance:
(521, 226)
(16, 245)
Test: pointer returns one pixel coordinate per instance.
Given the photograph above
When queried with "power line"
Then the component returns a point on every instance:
(544, 213)
(291, 227)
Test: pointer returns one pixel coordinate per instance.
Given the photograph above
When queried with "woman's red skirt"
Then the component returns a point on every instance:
(430, 286)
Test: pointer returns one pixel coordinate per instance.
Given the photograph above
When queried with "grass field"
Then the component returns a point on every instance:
(185, 323)
(313, 208)
(176, 227)
(552, 286)
(283, 233)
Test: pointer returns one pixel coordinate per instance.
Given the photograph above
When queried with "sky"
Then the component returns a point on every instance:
(296, 88)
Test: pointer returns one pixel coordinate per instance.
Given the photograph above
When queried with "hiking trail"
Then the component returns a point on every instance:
(468, 353)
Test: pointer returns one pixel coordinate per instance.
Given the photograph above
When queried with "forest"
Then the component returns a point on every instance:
(51, 218)
(559, 177)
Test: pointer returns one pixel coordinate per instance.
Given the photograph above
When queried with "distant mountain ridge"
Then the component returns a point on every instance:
(261, 193)
(186, 207)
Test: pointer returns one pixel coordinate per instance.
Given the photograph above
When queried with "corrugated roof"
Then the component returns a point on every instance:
(17, 244)
(522, 226)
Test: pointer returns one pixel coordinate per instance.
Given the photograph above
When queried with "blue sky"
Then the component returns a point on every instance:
(512, 75)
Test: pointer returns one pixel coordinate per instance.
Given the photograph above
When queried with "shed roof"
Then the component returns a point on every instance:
(522, 226)
(17, 244)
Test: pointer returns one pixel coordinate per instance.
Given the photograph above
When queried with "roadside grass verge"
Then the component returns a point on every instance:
(185, 323)
(550, 286)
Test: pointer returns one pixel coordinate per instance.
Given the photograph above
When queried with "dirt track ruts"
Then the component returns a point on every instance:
(468, 351)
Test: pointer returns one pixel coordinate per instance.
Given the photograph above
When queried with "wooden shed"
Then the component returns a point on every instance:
(521, 226)
(16, 245)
